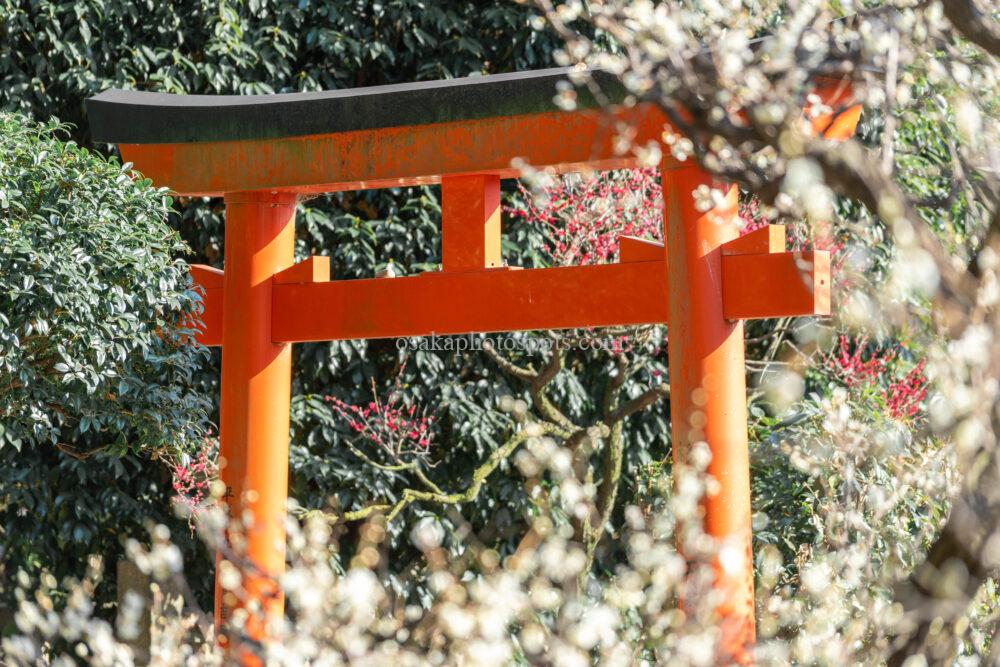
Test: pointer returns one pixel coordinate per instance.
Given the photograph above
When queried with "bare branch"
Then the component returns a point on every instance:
(508, 366)
(975, 25)
(545, 407)
(479, 477)
(639, 403)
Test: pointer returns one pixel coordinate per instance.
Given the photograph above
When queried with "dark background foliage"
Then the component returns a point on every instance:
(55, 54)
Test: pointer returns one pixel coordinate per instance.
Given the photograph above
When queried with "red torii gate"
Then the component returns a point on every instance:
(261, 153)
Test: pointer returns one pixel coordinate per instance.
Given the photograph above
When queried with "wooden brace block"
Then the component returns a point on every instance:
(783, 284)
(770, 239)
(210, 280)
(315, 269)
(633, 249)
(470, 223)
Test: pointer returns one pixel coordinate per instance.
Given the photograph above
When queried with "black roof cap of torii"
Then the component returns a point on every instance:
(134, 117)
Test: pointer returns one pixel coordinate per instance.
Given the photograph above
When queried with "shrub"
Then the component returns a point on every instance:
(93, 355)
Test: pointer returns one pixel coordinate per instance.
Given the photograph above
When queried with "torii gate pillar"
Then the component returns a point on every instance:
(708, 386)
(256, 394)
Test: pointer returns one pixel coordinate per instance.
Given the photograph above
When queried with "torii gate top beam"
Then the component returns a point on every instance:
(132, 117)
(383, 136)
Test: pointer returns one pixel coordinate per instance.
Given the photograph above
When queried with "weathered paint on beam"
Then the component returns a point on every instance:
(398, 156)
(472, 302)
(137, 117)
(764, 283)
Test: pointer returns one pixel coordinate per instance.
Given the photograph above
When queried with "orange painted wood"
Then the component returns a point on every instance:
(470, 222)
(776, 285)
(483, 301)
(210, 280)
(760, 241)
(398, 156)
(315, 269)
(841, 122)
(754, 286)
(256, 395)
(207, 276)
(210, 331)
(838, 126)
(708, 401)
(632, 249)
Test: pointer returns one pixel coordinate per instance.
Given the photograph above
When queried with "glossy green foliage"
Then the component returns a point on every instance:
(92, 303)
(93, 360)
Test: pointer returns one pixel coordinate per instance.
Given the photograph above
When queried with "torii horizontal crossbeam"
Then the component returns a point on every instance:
(475, 302)
(308, 307)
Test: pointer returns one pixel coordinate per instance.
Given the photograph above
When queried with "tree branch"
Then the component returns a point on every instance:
(479, 477)
(607, 493)
(939, 591)
(508, 366)
(637, 404)
(545, 407)
(973, 24)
